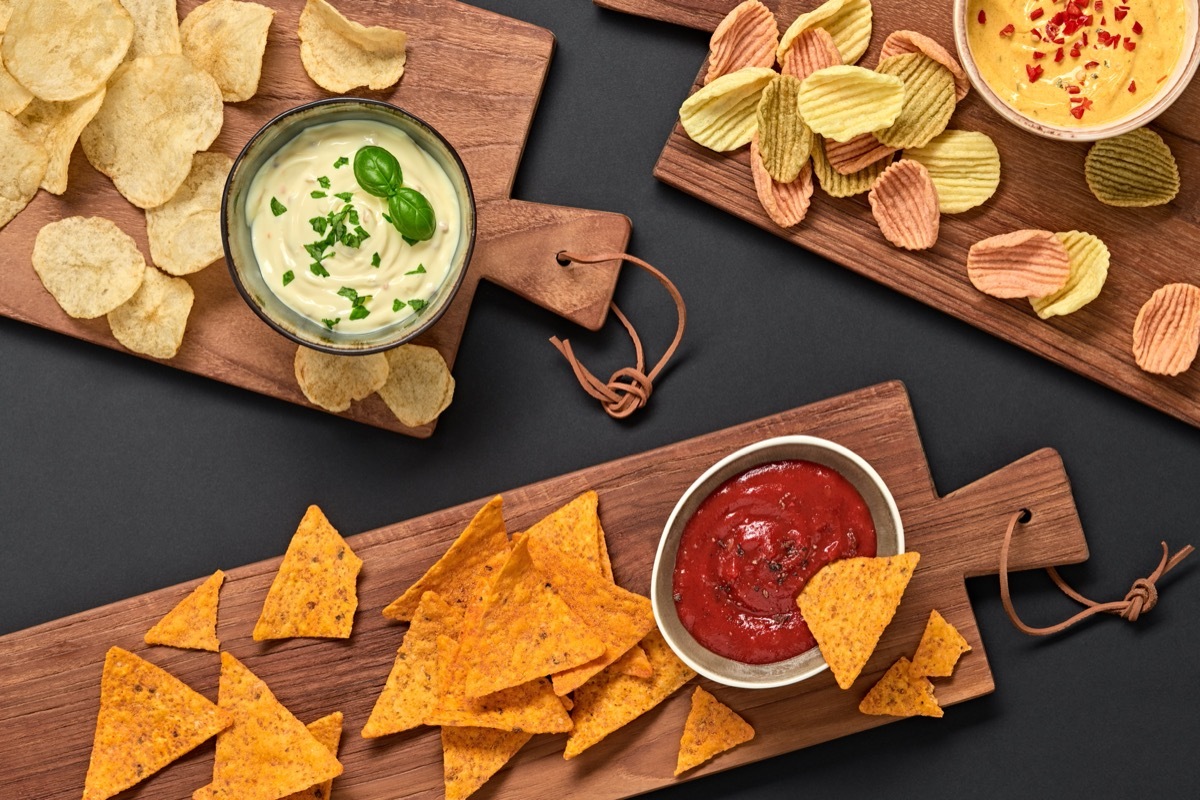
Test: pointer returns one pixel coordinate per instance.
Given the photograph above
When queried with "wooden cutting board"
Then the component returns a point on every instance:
(1042, 186)
(472, 74)
(50, 675)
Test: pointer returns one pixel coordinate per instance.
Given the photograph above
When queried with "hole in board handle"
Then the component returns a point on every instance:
(561, 258)
(1026, 516)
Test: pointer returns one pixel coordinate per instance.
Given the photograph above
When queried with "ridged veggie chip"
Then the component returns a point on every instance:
(847, 21)
(711, 728)
(899, 42)
(857, 154)
(1166, 333)
(747, 37)
(785, 203)
(928, 100)
(940, 648)
(836, 184)
(904, 203)
(810, 51)
(192, 623)
(784, 141)
(901, 692)
(964, 166)
(1026, 263)
(470, 756)
(1089, 270)
(1133, 170)
(723, 115)
(843, 102)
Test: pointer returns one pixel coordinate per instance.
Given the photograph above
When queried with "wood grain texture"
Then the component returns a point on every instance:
(472, 74)
(49, 675)
(1042, 186)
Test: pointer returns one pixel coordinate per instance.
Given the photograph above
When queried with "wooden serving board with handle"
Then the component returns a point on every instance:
(472, 74)
(50, 675)
(1041, 186)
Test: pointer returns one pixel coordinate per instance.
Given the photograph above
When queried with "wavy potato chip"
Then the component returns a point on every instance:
(900, 42)
(1026, 263)
(471, 756)
(964, 165)
(23, 163)
(901, 692)
(848, 22)
(928, 100)
(904, 203)
(711, 728)
(64, 49)
(155, 28)
(1089, 270)
(57, 126)
(810, 51)
(835, 184)
(747, 37)
(1133, 170)
(88, 264)
(723, 115)
(785, 203)
(1166, 333)
(14, 97)
(227, 39)
(333, 382)
(159, 112)
(340, 55)
(153, 321)
(185, 231)
(859, 153)
(843, 102)
(192, 623)
(419, 386)
(940, 649)
(784, 141)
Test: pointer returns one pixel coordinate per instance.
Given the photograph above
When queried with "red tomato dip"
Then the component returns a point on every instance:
(751, 547)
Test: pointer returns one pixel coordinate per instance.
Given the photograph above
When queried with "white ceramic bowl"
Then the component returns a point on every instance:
(889, 533)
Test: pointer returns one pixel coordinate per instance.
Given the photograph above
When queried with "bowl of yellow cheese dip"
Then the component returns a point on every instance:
(348, 225)
(1078, 69)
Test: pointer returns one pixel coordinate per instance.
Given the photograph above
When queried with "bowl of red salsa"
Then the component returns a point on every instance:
(743, 541)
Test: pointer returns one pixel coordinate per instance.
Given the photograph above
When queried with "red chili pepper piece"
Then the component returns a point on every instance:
(1073, 89)
(1104, 20)
(1058, 56)
(1099, 6)
(1130, 44)
(982, 17)
(1137, 28)
(1120, 11)
(1038, 55)
(1077, 111)
(1052, 29)
(1116, 40)
(1037, 13)
(1034, 71)
(1132, 87)
(1091, 65)
(1084, 39)
(1075, 51)
(1073, 24)
(1087, 22)
(1058, 18)
(1036, 34)
(1008, 30)
(1074, 10)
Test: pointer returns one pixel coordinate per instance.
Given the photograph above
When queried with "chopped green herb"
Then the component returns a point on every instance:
(353, 216)
(359, 312)
(417, 305)
(317, 195)
(319, 224)
(277, 207)
(387, 218)
(348, 293)
(420, 270)
(288, 277)
(341, 162)
(375, 260)
(318, 270)
(316, 251)
(398, 304)
(411, 241)
(329, 323)
(323, 181)
(345, 197)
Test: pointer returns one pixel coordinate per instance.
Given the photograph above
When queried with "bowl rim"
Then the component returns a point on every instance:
(658, 575)
(327, 347)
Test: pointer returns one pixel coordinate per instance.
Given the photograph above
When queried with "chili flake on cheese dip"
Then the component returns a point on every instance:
(353, 225)
(1083, 62)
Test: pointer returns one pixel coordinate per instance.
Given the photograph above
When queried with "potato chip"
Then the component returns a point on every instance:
(453, 576)
(333, 382)
(148, 718)
(848, 22)
(928, 100)
(185, 231)
(785, 203)
(64, 49)
(328, 731)
(810, 51)
(849, 603)
(57, 127)
(711, 728)
(835, 184)
(611, 700)
(964, 166)
(23, 163)
(940, 648)
(192, 623)
(5, 13)
(1089, 270)
(153, 321)
(901, 692)
(88, 264)
(904, 203)
(14, 98)
(470, 756)
(419, 386)
(784, 141)
(747, 37)
(900, 42)
(723, 116)
(314, 594)
(857, 154)
(843, 102)
(227, 39)
(1133, 170)
(1166, 333)
(1027, 263)
(340, 55)
(155, 28)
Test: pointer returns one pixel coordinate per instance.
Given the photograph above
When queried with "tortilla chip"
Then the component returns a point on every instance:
(711, 728)
(611, 700)
(940, 648)
(847, 605)
(314, 594)
(573, 529)
(901, 692)
(340, 54)
(57, 127)
(470, 756)
(192, 624)
(634, 663)
(148, 718)
(453, 576)
(328, 731)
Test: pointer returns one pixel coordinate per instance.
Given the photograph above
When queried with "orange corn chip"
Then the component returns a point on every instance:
(785, 203)
(328, 731)
(905, 204)
(1026, 263)
(575, 530)
(453, 576)
(611, 700)
(634, 663)
(1167, 330)
(901, 692)
(192, 624)
(711, 728)
(567, 702)
(747, 37)
(847, 605)
(901, 42)
(605, 562)
(470, 756)
(940, 648)
(812, 50)
(148, 718)
(857, 154)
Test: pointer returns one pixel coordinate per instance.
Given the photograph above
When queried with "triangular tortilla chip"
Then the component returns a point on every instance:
(472, 755)
(711, 728)
(611, 700)
(940, 648)
(314, 594)
(901, 693)
(573, 529)
(453, 576)
(148, 718)
(847, 605)
(192, 624)
(634, 662)
(267, 753)
(328, 731)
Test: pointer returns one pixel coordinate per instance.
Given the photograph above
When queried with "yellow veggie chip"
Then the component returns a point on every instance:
(747, 37)
(192, 624)
(785, 203)
(901, 692)
(57, 127)
(227, 39)
(835, 184)
(940, 648)
(847, 21)
(315, 593)
(153, 321)
(843, 102)
(333, 382)
(23, 163)
(89, 265)
(155, 28)
(928, 100)
(1089, 270)
(849, 603)
(711, 728)
(64, 49)
(1133, 170)
(723, 115)
(784, 141)
(185, 231)
(340, 55)
(964, 166)
(1166, 333)
(470, 756)
(328, 731)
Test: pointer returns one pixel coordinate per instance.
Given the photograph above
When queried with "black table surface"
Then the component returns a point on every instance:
(118, 476)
